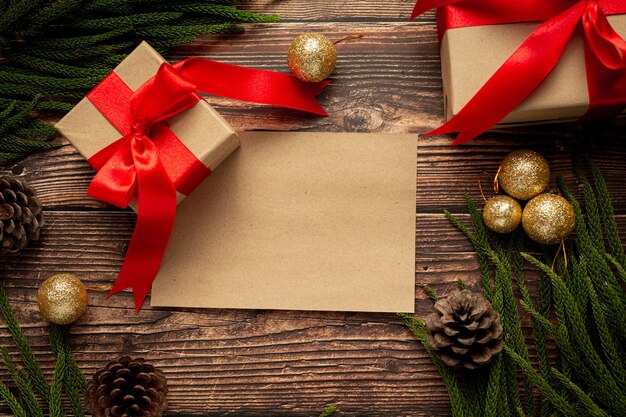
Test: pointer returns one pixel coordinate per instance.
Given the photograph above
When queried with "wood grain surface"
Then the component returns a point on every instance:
(289, 363)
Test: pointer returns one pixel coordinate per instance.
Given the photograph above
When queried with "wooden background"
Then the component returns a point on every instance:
(289, 363)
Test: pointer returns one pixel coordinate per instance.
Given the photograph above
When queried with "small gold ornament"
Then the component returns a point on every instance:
(502, 214)
(312, 57)
(548, 218)
(62, 299)
(524, 174)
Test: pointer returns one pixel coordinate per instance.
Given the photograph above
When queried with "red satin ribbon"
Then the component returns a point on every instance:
(152, 162)
(530, 64)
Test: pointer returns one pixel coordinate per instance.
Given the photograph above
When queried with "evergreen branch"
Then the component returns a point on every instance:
(74, 381)
(17, 11)
(329, 410)
(592, 408)
(419, 330)
(41, 105)
(614, 361)
(135, 20)
(172, 32)
(28, 358)
(615, 398)
(78, 41)
(495, 398)
(77, 55)
(47, 14)
(56, 68)
(608, 216)
(227, 12)
(25, 389)
(430, 292)
(562, 404)
(12, 402)
(8, 76)
(9, 122)
(60, 372)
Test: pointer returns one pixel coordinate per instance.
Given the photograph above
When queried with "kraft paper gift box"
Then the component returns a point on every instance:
(200, 128)
(471, 55)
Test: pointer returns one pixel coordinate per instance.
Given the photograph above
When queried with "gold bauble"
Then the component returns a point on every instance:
(502, 214)
(548, 218)
(524, 174)
(62, 299)
(312, 57)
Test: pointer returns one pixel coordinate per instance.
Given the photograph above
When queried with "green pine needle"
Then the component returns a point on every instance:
(588, 299)
(329, 410)
(59, 49)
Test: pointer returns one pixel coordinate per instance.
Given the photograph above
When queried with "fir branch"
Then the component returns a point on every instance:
(17, 11)
(28, 358)
(329, 410)
(562, 404)
(592, 408)
(228, 12)
(419, 330)
(134, 20)
(608, 216)
(25, 389)
(11, 401)
(615, 399)
(494, 399)
(613, 358)
(44, 16)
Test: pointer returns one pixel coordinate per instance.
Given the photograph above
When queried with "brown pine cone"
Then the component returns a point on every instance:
(21, 215)
(465, 330)
(127, 388)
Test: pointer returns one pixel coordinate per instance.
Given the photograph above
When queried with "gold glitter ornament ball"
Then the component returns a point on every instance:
(502, 214)
(312, 57)
(524, 174)
(62, 299)
(548, 218)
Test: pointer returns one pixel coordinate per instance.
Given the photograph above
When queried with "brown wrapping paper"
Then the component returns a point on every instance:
(470, 56)
(200, 128)
(304, 221)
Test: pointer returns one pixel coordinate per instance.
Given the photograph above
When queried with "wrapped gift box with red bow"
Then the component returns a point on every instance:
(529, 61)
(152, 139)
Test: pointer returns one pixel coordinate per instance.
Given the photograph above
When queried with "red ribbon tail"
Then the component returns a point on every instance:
(252, 85)
(516, 79)
(155, 221)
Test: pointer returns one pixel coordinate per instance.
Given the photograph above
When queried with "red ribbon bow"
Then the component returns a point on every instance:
(151, 160)
(530, 64)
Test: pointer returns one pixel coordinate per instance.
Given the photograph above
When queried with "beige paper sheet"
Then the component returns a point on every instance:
(299, 221)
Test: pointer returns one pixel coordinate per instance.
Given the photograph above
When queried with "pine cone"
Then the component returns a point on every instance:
(465, 330)
(127, 388)
(21, 215)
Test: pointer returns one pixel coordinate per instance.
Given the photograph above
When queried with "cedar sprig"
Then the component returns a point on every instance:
(588, 300)
(60, 49)
(66, 380)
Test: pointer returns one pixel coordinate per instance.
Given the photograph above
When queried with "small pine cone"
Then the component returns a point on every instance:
(127, 388)
(21, 215)
(465, 330)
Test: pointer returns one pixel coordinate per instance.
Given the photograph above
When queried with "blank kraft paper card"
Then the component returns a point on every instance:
(299, 221)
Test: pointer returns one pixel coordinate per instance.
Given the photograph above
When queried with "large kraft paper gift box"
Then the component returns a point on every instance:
(471, 55)
(200, 128)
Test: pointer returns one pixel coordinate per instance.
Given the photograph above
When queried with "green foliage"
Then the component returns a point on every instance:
(54, 51)
(329, 410)
(588, 300)
(29, 378)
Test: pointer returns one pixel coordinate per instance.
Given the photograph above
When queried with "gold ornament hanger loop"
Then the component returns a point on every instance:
(348, 38)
